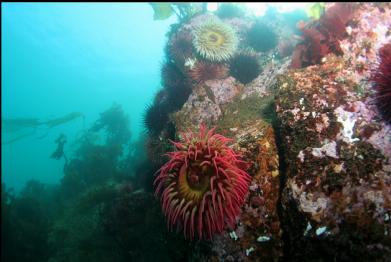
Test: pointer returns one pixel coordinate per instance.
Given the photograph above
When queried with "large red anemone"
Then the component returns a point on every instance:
(203, 185)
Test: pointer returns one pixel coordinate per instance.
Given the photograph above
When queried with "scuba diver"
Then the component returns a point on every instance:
(61, 140)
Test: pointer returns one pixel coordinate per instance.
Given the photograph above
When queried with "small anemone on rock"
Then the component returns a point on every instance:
(215, 40)
(381, 79)
(261, 37)
(245, 66)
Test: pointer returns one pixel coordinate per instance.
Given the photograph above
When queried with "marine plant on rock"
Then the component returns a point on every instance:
(203, 185)
(321, 37)
(134, 221)
(115, 123)
(215, 40)
(183, 11)
(99, 151)
(24, 224)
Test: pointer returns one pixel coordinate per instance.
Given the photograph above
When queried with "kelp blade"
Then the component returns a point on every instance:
(315, 10)
(162, 11)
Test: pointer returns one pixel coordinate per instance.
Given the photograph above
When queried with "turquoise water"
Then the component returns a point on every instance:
(59, 58)
(195, 132)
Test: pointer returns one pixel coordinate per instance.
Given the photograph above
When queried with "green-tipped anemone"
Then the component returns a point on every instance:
(215, 40)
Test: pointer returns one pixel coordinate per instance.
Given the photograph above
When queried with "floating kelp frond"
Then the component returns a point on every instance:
(161, 11)
(15, 124)
(18, 125)
(315, 10)
(62, 120)
(15, 139)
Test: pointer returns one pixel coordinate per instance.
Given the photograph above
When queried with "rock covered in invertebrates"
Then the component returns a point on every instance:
(337, 151)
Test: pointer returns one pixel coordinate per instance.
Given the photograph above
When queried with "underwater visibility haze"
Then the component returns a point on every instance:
(59, 58)
(196, 131)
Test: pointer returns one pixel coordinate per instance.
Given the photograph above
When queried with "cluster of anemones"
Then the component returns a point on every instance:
(203, 185)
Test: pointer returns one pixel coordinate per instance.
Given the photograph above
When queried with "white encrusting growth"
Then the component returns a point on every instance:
(348, 120)
(233, 235)
(320, 231)
(248, 251)
(263, 238)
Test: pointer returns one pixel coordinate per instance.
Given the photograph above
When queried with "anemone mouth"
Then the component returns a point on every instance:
(214, 38)
(193, 183)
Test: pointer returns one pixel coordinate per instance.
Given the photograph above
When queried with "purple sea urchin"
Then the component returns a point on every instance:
(262, 37)
(181, 46)
(381, 78)
(176, 84)
(206, 71)
(245, 67)
(155, 118)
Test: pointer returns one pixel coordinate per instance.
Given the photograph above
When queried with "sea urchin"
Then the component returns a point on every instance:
(176, 84)
(181, 46)
(262, 37)
(245, 67)
(155, 118)
(381, 78)
(215, 40)
(203, 185)
(206, 71)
